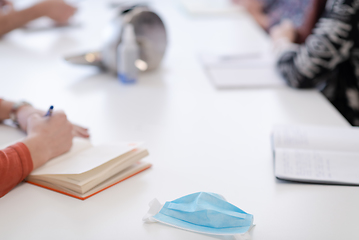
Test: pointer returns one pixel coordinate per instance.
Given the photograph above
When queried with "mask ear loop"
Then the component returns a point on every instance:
(155, 207)
(246, 235)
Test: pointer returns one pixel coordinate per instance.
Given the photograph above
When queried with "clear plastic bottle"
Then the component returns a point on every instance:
(127, 54)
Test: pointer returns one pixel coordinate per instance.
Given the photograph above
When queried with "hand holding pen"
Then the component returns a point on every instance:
(77, 131)
(50, 135)
(49, 112)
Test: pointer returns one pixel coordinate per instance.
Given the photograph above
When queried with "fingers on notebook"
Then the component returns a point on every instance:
(79, 131)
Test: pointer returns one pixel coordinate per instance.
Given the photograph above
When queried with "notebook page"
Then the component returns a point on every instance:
(87, 185)
(343, 139)
(86, 160)
(317, 166)
(110, 168)
(134, 169)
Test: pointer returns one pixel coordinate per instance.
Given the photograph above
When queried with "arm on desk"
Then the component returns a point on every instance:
(48, 137)
(15, 165)
(57, 10)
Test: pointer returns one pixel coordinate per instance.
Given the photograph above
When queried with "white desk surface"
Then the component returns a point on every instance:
(199, 138)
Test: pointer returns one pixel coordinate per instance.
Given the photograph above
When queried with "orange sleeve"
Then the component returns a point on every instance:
(15, 165)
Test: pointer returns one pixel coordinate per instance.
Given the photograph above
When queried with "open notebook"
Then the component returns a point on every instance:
(317, 154)
(86, 170)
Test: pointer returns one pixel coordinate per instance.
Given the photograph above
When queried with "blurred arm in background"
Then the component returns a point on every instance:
(303, 14)
(11, 19)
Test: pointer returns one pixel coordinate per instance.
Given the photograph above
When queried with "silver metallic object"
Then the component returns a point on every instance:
(150, 35)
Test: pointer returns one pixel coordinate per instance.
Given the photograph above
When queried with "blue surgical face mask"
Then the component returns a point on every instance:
(201, 212)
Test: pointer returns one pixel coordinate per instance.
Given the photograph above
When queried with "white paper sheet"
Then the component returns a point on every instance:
(242, 70)
(211, 7)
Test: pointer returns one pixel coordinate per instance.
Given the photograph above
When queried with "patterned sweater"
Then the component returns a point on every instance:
(329, 59)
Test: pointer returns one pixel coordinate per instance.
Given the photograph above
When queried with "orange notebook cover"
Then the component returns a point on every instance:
(137, 168)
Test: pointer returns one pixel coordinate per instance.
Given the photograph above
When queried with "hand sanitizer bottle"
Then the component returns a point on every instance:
(127, 55)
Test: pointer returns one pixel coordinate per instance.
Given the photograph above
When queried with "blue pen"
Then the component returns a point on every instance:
(49, 112)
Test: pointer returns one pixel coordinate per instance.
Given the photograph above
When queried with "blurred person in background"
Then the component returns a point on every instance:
(10, 19)
(269, 13)
(329, 58)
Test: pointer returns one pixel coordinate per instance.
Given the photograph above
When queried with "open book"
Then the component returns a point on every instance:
(86, 170)
(317, 154)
